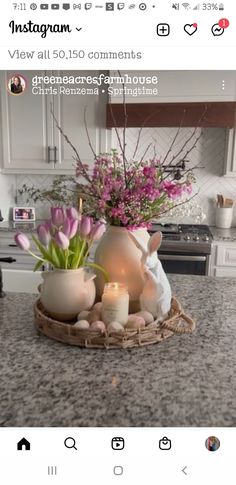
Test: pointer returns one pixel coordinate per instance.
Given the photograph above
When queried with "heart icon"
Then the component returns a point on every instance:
(190, 29)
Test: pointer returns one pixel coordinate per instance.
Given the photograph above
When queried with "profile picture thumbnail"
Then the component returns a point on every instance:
(16, 84)
(212, 443)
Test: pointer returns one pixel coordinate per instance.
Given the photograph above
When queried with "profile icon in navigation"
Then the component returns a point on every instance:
(212, 443)
(16, 84)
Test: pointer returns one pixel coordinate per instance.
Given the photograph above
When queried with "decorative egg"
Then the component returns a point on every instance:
(115, 327)
(98, 307)
(82, 324)
(135, 322)
(94, 316)
(147, 316)
(98, 325)
(83, 315)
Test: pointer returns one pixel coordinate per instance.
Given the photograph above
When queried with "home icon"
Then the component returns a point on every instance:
(23, 444)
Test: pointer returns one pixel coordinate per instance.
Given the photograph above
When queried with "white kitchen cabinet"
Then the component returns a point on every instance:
(32, 142)
(8, 248)
(230, 156)
(223, 259)
(180, 86)
(25, 133)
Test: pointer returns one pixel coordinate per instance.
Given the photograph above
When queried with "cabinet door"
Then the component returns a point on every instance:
(226, 256)
(25, 127)
(69, 110)
(230, 156)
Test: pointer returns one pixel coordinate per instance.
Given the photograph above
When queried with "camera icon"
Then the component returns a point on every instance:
(118, 443)
(165, 443)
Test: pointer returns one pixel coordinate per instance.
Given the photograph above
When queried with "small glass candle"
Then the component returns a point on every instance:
(115, 303)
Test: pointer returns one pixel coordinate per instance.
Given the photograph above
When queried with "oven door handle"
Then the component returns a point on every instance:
(180, 257)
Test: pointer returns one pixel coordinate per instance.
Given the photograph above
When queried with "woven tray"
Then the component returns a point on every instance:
(177, 323)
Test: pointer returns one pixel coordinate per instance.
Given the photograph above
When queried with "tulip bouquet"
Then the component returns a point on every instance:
(64, 241)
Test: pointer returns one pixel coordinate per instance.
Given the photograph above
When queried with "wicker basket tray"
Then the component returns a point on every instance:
(177, 323)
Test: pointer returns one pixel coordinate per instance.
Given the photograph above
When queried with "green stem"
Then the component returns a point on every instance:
(81, 254)
(37, 257)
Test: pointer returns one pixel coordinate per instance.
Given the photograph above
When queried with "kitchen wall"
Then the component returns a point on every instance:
(209, 154)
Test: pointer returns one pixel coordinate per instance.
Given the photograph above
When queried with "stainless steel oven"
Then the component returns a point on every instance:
(185, 263)
(185, 248)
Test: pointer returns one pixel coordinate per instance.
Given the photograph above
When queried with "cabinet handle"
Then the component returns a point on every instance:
(49, 154)
(55, 154)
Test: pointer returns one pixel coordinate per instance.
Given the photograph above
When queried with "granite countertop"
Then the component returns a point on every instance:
(187, 380)
(11, 226)
(223, 235)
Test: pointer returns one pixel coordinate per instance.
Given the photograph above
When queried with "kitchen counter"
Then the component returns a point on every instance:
(223, 235)
(24, 226)
(187, 380)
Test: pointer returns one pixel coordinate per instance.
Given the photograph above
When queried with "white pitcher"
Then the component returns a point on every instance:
(65, 293)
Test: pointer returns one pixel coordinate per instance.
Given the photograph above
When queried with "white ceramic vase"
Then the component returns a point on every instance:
(65, 293)
(118, 254)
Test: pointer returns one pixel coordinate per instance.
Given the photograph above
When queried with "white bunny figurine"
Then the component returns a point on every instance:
(156, 294)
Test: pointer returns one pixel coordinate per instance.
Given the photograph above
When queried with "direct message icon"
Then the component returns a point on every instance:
(118, 443)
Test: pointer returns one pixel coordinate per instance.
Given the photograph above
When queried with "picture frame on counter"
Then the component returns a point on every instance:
(23, 214)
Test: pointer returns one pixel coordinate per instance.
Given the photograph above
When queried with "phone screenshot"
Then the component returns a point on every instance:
(117, 242)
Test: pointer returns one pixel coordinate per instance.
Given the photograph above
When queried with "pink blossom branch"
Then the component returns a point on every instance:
(176, 205)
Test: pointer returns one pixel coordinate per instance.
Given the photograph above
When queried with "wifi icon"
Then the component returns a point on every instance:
(187, 6)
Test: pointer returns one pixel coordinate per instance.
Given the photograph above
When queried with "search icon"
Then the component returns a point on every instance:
(70, 443)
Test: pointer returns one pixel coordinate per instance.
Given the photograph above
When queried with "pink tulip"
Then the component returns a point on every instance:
(57, 216)
(85, 226)
(70, 227)
(73, 227)
(97, 231)
(22, 241)
(72, 213)
(61, 240)
(44, 234)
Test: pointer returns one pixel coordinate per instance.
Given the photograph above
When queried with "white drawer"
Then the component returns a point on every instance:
(220, 272)
(226, 256)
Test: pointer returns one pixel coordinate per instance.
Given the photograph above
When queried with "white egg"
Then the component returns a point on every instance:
(135, 322)
(98, 325)
(82, 324)
(147, 316)
(98, 307)
(115, 327)
(83, 315)
(94, 316)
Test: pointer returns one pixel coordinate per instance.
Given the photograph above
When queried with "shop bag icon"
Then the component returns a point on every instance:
(165, 443)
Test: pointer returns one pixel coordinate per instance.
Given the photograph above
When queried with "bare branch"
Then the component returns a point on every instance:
(77, 158)
(87, 133)
(175, 138)
(124, 131)
(190, 138)
(145, 153)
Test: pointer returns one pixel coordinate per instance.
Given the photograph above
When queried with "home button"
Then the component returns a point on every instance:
(23, 444)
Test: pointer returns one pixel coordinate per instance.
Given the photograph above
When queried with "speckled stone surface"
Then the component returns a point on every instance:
(225, 235)
(187, 380)
(11, 226)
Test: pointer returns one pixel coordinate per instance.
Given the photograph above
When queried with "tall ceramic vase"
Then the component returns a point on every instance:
(120, 256)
